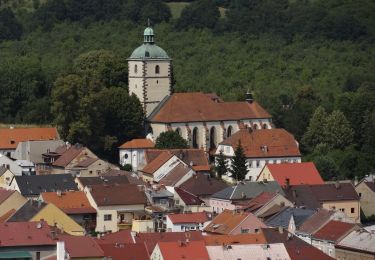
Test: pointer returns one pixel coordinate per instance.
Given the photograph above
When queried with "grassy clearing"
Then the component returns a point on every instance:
(176, 8)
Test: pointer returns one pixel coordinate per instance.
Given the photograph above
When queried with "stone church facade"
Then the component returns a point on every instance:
(204, 120)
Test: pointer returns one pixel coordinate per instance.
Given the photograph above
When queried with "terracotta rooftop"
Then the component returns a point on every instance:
(187, 197)
(122, 251)
(334, 230)
(151, 239)
(202, 185)
(155, 164)
(5, 194)
(9, 138)
(175, 175)
(71, 202)
(227, 221)
(257, 238)
(124, 194)
(68, 156)
(86, 162)
(196, 158)
(138, 144)
(296, 247)
(25, 234)
(259, 201)
(4, 218)
(264, 143)
(194, 250)
(196, 217)
(120, 237)
(200, 107)
(316, 221)
(311, 196)
(81, 246)
(296, 173)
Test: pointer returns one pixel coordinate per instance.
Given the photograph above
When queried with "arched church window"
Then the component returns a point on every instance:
(255, 126)
(147, 54)
(135, 68)
(229, 131)
(178, 131)
(265, 126)
(195, 138)
(157, 69)
(212, 138)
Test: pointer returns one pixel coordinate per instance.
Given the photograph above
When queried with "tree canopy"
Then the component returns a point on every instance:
(170, 140)
(238, 166)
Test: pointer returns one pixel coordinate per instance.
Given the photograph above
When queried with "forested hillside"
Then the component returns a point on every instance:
(310, 63)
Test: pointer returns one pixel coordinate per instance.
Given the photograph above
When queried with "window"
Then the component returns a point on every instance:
(178, 131)
(126, 156)
(342, 210)
(229, 131)
(360, 195)
(107, 217)
(135, 68)
(195, 138)
(90, 172)
(147, 54)
(250, 164)
(157, 69)
(265, 126)
(352, 210)
(258, 163)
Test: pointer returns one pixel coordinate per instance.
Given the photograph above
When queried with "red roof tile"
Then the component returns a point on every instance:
(203, 185)
(297, 173)
(5, 194)
(124, 194)
(86, 162)
(193, 250)
(68, 156)
(71, 202)
(80, 246)
(264, 143)
(120, 237)
(151, 239)
(159, 161)
(175, 175)
(334, 230)
(197, 218)
(25, 234)
(196, 158)
(259, 201)
(200, 107)
(9, 138)
(212, 240)
(316, 221)
(227, 221)
(125, 251)
(187, 197)
(138, 144)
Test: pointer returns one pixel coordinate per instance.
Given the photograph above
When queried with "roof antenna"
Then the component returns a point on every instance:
(148, 22)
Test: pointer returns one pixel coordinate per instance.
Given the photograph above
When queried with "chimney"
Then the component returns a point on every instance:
(249, 97)
(287, 183)
(60, 250)
(58, 193)
(281, 230)
(294, 193)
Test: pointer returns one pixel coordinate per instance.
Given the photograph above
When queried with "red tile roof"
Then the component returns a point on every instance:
(296, 247)
(71, 202)
(81, 246)
(213, 240)
(193, 250)
(200, 107)
(297, 173)
(120, 237)
(334, 230)
(151, 239)
(316, 221)
(138, 144)
(227, 221)
(4, 218)
(203, 185)
(68, 156)
(159, 161)
(175, 175)
(9, 138)
(5, 194)
(196, 218)
(196, 158)
(187, 197)
(259, 201)
(124, 194)
(86, 162)
(25, 234)
(122, 251)
(264, 143)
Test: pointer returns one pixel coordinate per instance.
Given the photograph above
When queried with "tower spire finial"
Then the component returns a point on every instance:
(148, 22)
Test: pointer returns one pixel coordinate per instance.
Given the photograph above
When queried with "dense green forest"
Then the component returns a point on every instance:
(310, 63)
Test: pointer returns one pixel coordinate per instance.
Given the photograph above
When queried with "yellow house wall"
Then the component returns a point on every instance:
(96, 168)
(51, 214)
(15, 201)
(265, 174)
(367, 199)
(346, 205)
(140, 226)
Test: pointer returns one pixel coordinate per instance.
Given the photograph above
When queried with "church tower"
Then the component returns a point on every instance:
(149, 73)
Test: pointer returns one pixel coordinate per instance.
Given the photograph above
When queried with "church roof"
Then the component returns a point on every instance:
(149, 51)
(201, 107)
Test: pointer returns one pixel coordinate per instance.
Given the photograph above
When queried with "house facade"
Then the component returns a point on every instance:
(133, 153)
(366, 193)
